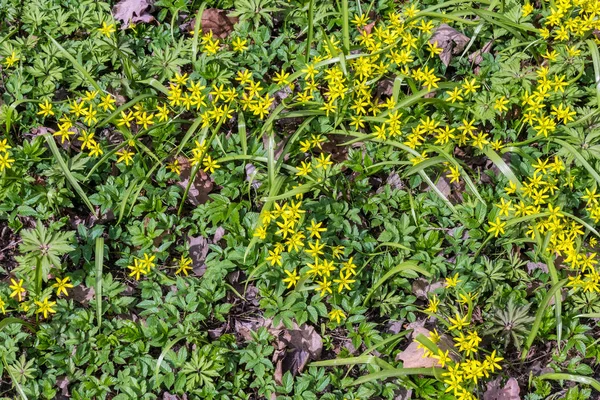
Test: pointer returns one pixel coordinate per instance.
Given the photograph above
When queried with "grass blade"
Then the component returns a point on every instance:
(197, 28)
(15, 382)
(405, 266)
(464, 174)
(539, 315)
(309, 37)
(242, 133)
(502, 166)
(586, 380)
(345, 27)
(579, 158)
(397, 372)
(99, 267)
(54, 148)
(163, 353)
(76, 64)
(596, 60)
(13, 320)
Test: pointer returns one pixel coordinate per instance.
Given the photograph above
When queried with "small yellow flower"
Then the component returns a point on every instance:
(125, 156)
(210, 165)
(17, 289)
(46, 108)
(137, 269)
(62, 285)
(336, 315)
(239, 45)
(107, 29)
(185, 265)
(497, 227)
(292, 278)
(45, 307)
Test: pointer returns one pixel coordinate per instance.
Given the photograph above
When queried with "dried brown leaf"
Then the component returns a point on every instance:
(133, 12)
(422, 287)
(510, 391)
(198, 251)
(216, 21)
(450, 40)
(200, 188)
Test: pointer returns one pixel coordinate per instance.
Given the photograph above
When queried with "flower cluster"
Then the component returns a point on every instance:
(465, 363)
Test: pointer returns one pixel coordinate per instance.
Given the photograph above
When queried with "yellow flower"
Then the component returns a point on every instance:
(454, 174)
(292, 278)
(452, 281)
(324, 286)
(148, 262)
(137, 269)
(180, 79)
(96, 150)
(62, 285)
(458, 322)
(125, 156)
(46, 108)
(107, 102)
(5, 161)
(125, 119)
(163, 113)
(305, 169)
(184, 265)
(239, 44)
(336, 315)
(45, 307)
(360, 20)
(174, 167)
(17, 289)
(470, 86)
(210, 164)
(315, 229)
(324, 162)
(4, 146)
(144, 120)
(107, 29)
(344, 282)
(500, 104)
(274, 258)
(434, 302)
(497, 227)
(11, 60)
(281, 78)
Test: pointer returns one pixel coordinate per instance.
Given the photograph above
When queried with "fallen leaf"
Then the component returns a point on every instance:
(219, 233)
(450, 40)
(198, 252)
(510, 391)
(414, 357)
(422, 287)
(301, 344)
(532, 266)
(132, 12)
(477, 57)
(216, 21)
(201, 186)
(82, 294)
(63, 384)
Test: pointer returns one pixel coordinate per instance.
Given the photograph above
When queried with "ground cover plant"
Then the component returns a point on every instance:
(299, 199)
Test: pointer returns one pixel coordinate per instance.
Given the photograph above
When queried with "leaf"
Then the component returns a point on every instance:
(132, 12)
(99, 267)
(217, 21)
(510, 391)
(574, 378)
(200, 188)
(450, 40)
(68, 174)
